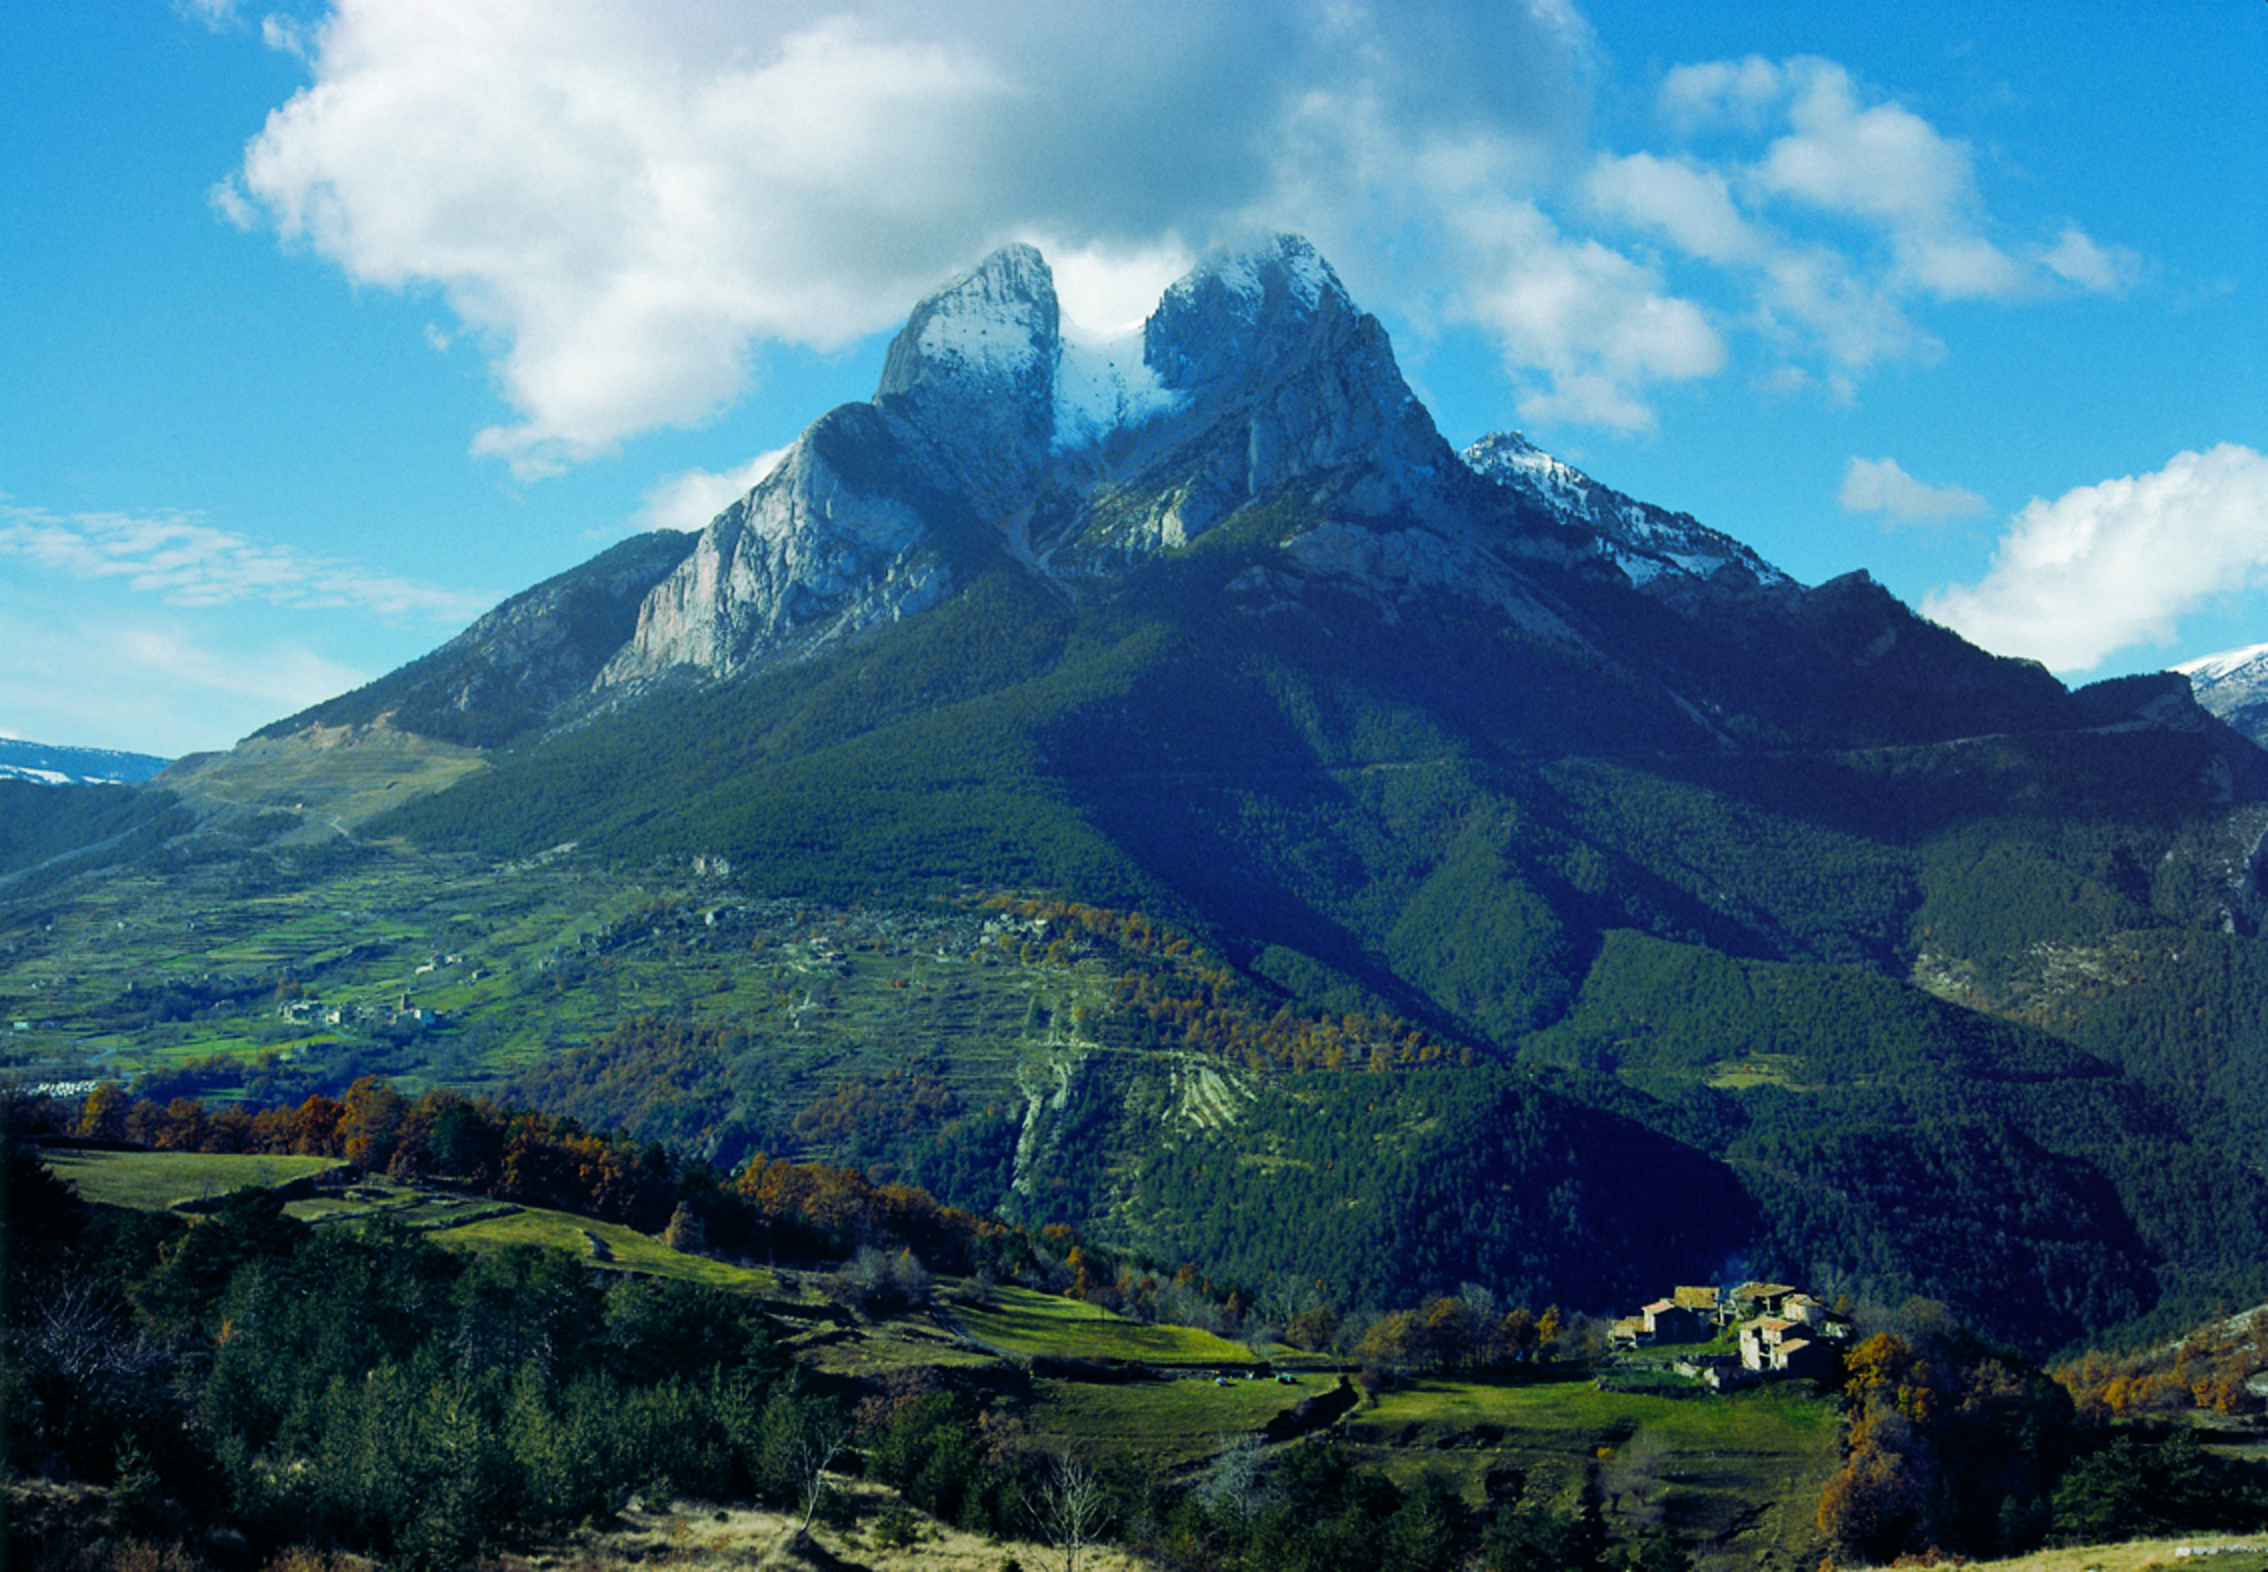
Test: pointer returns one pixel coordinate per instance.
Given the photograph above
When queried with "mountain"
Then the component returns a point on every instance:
(995, 435)
(52, 766)
(1152, 783)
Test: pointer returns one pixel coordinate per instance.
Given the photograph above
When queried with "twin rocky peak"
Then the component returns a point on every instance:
(1001, 431)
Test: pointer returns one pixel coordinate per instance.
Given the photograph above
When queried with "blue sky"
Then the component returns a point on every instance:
(325, 326)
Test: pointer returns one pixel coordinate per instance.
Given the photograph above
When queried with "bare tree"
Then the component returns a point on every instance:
(1237, 1479)
(820, 1445)
(1072, 1505)
(909, 1280)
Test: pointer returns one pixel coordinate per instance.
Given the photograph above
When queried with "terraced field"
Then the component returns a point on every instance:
(445, 971)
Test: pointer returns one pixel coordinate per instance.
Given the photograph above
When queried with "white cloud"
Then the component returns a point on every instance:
(1601, 326)
(1880, 162)
(624, 197)
(215, 14)
(1881, 486)
(1106, 289)
(690, 500)
(2079, 261)
(2117, 564)
(1715, 93)
(1831, 214)
(189, 563)
(1688, 203)
(623, 201)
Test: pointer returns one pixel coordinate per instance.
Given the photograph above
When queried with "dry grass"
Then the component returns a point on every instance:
(2193, 1553)
(695, 1536)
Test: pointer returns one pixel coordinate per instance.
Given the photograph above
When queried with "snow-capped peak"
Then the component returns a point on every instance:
(1245, 273)
(1236, 283)
(1644, 541)
(2217, 668)
(992, 328)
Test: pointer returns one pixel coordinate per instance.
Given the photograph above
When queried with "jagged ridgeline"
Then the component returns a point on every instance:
(1683, 914)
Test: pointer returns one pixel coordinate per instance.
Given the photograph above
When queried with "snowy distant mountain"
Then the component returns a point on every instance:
(1645, 541)
(2233, 685)
(52, 766)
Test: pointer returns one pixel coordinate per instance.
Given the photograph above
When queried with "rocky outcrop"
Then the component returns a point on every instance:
(973, 372)
(2233, 686)
(1276, 380)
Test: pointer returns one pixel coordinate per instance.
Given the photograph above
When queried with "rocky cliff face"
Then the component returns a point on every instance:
(973, 373)
(835, 539)
(1280, 379)
(518, 665)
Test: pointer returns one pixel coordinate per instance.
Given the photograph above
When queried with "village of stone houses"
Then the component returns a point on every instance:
(1778, 1331)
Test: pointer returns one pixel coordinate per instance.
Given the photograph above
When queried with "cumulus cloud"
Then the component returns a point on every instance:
(1831, 213)
(624, 196)
(1600, 326)
(1689, 203)
(186, 562)
(1881, 486)
(623, 201)
(2117, 564)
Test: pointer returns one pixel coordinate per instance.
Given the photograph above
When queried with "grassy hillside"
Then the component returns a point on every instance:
(1021, 1370)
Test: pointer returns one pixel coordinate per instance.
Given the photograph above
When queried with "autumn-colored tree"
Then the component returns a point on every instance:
(1549, 1327)
(370, 1122)
(1442, 1335)
(1385, 1343)
(1948, 1445)
(313, 1128)
(102, 1117)
(1312, 1328)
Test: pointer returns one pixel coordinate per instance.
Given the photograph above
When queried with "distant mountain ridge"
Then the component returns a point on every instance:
(56, 766)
